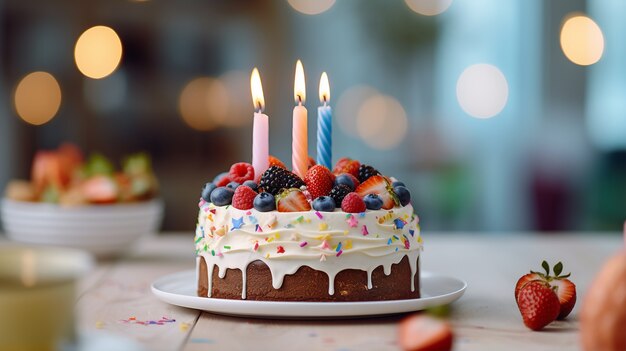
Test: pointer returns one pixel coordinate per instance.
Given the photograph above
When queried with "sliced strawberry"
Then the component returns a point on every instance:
(525, 279)
(276, 162)
(319, 181)
(347, 165)
(292, 200)
(421, 332)
(566, 292)
(538, 304)
(380, 186)
(100, 189)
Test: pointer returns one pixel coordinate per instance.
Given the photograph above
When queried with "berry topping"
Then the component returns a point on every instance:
(352, 203)
(319, 181)
(100, 189)
(397, 183)
(206, 191)
(233, 185)
(324, 204)
(379, 185)
(404, 195)
(222, 179)
(243, 198)
(222, 196)
(346, 165)
(365, 172)
(339, 192)
(276, 162)
(538, 304)
(311, 162)
(251, 184)
(560, 284)
(347, 179)
(276, 179)
(420, 332)
(292, 200)
(264, 202)
(240, 172)
(373, 202)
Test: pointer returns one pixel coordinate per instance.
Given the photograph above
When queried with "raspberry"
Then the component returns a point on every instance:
(240, 172)
(243, 199)
(352, 203)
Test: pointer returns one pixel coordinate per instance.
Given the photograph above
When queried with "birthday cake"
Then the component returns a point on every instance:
(346, 235)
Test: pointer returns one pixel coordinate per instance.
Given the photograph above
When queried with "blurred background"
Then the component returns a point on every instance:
(500, 116)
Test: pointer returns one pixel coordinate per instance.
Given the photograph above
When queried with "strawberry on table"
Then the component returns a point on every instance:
(319, 181)
(420, 332)
(292, 200)
(380, 186)
(560, 284)
(538, 304)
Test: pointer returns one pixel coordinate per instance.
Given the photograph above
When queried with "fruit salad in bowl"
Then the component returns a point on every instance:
(83, 202)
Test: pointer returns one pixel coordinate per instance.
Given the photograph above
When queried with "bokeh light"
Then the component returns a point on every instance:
(98, 52)
(204, 103)
(482, 90)
(582, 41)
(37, 98)
(311, 7)
(348, 106)
(237, 85)
(428, 7)
(382, 122)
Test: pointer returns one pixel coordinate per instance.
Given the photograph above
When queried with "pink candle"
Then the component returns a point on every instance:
(299, 150)
(260, 129)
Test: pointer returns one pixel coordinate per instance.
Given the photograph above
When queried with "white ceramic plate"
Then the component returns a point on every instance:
(180, 289)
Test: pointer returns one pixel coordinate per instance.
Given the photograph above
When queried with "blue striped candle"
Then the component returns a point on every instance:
(324, 126)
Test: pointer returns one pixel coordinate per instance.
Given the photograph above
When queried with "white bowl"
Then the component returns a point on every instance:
(104, 230)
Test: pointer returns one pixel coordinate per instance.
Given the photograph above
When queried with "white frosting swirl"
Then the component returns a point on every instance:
(326, 241)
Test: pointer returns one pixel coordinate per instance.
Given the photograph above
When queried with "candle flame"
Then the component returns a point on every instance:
(299, 90)
(257, 90)
(324, 89)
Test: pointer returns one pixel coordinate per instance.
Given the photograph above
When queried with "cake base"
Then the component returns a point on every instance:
(308, 284)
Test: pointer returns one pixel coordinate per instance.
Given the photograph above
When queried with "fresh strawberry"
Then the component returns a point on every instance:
(240, 172)
(276, 162)
(420, 332)
(243, 198)
(319, 181)
(353, 203)
(292, 200)
(347, 165)
(100, 189)
(380, 186)
(311, 162)
(562, 286)
(538, 304)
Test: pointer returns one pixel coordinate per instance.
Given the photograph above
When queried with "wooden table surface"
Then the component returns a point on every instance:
(116, 298)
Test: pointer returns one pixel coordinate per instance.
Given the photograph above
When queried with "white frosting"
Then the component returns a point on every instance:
(325, 241)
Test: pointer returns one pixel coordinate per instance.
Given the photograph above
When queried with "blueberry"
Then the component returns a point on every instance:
(233, 185)
(264, 202)
(397, 183)
(403, 194)
(373, 202)
(324, 204)
(206, 191)
(219, 177)
(222, 196)
(251, 184)
(345, 180)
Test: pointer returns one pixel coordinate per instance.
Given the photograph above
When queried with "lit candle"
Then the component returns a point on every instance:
(260, 129)
(299, 150)
(324, 125)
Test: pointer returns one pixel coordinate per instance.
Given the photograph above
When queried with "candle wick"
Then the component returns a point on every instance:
(299, 99)
(259, 109)
(325, 100)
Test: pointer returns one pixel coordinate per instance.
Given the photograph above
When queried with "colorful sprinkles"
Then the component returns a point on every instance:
(134, 320)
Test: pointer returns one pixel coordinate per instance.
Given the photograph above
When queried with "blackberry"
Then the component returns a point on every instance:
(276, 178)
(339, 192)
(366, 171)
